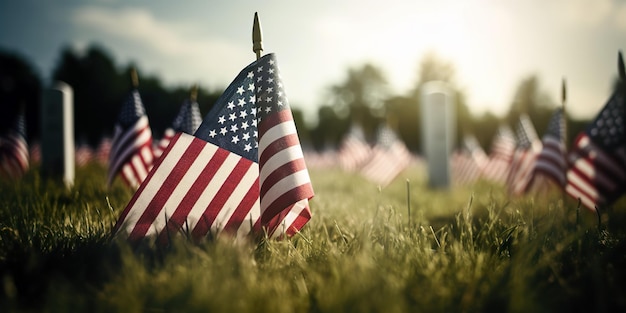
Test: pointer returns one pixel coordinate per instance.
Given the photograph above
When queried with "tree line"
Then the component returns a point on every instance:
(363, 97)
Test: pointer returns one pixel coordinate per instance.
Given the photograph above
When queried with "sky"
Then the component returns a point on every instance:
(493, 44)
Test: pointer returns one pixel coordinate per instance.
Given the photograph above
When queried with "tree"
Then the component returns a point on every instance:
(20, 88)
(530, 99)
(361, 96)
(98, 91)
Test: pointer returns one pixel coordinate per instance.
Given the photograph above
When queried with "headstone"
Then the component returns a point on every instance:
(57, 133)
(438, 129)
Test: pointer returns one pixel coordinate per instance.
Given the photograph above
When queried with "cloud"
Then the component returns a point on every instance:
(586, 12)
(620, 17)
(174, 48)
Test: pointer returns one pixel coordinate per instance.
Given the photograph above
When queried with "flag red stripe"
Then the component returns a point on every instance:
(138, 193)
(242, 212)
(285, 200)
(153, 209)
(195, 191)
(274, 119)
(278, 145)
(217, 203)
(280, 173)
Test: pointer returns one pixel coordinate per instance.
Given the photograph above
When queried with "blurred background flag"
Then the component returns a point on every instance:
(389, 158)
(103, 150)
(501, 155)
(84, 154)
(551, 162)
(468, 162)
(354, 150)
(131, 153)
(14, 149)
(525, 156)
(222, 179)
(597, 172)
(187, 121)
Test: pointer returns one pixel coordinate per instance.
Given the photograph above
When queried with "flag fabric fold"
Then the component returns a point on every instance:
(14, 150)
(131, 153)
(187, 121)
(597, 162)
(242, 172)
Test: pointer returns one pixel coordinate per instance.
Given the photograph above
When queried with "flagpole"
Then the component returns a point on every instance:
(257, 37)
(134, 78)
(563, 102)
(193, 94)
(620, 66)
(564, 139)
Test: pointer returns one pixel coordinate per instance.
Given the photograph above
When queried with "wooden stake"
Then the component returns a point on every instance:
(257, 37)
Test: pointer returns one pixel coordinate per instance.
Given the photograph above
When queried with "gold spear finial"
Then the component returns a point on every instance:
(134, 78)
(193, 96)
(257, 36)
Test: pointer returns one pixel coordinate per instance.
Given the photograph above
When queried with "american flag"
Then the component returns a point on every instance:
(131, 148)
(468, 162)
(14, 150)
(389, 158)
(551, 161)
(84, 154)
(187, 121)
(525, 156)
(222, 179)
(501, 155)
(597, 172)
(325, 159)
(35, 152)
(103, 150)
(354, 150)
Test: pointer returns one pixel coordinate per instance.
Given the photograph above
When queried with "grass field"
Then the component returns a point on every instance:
(468, 250)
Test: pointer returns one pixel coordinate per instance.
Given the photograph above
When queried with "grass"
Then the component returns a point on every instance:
(468, 250)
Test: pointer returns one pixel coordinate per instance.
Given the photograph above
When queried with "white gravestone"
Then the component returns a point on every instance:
(57, 133)
(438, 130)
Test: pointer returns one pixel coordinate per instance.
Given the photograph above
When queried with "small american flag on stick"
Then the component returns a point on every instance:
(223, 179)
(131, 148)
(187, 121)
(551, 161)
(597, 172)
(14, 150)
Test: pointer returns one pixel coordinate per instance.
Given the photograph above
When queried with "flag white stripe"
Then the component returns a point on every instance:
(278, 131)
(248, 179)
(290, 218)
(288, 182)
(153, 185)
(251, 218)
(214, 185)
(280, 158)
(179, 192)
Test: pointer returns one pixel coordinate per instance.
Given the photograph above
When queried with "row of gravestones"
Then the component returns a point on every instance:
(57, 136)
